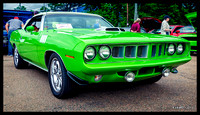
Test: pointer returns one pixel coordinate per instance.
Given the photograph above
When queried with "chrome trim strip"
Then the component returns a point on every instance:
(36, 65)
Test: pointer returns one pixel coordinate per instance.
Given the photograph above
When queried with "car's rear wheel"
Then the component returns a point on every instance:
(18, 61)
(60, 83)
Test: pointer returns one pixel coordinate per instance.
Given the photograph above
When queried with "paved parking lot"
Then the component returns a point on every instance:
(28, 90)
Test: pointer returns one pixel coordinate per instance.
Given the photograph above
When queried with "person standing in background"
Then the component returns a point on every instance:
(136, 26)
(12, 25)
(165, 28)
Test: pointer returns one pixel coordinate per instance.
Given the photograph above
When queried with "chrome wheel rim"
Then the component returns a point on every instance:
(16, 56)
(56, 75)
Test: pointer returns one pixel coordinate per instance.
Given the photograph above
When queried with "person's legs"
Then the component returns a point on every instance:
(10, 49)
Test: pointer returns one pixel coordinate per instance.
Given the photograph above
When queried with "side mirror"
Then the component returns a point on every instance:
(177, 31)
(29, 28)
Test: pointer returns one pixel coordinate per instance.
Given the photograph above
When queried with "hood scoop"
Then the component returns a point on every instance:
(110, 29)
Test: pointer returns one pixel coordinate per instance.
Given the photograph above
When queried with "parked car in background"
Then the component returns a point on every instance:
(127, 29)
(10, 14)
(173, 32)
(191, 31)
(150, 23)
(147, 24)
(174, 28)
(155, 31)
(184, 30)
(74, 52)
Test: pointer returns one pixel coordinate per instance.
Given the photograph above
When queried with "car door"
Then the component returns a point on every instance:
(30, 40)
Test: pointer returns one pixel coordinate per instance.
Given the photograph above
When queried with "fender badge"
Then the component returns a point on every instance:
(43, 38)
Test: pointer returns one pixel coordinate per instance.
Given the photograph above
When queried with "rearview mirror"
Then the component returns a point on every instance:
(29, 28)
(177, 31)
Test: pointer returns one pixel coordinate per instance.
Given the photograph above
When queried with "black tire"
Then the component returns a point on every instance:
(60, 83)
(18, 61)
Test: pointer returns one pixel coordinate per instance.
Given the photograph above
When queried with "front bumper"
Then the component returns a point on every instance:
(114, 72)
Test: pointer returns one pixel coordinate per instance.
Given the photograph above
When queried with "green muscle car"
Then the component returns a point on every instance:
(82, 48)
(192, 37)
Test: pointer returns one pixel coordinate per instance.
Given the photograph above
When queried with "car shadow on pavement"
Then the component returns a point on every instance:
(113, 89)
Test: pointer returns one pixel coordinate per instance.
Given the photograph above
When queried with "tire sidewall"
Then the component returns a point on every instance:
(16, 65)
(21, 63)
(66, 83)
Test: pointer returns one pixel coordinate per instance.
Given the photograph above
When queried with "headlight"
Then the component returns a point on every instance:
(171, 49)
(89, 53)
(104, 52)
(180, 49)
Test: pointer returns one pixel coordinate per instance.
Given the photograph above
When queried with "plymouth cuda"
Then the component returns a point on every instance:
(83, 48)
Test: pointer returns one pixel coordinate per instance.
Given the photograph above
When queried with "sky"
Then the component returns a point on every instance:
(29, 6)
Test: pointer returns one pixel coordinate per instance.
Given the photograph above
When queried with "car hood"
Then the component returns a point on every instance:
(103, 37)
(188, 35)
(192, 17)
(150, 23)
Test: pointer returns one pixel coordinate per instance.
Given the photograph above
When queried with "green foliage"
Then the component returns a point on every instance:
(44, 9)
(113, 12)
(22, 8)
(63, 6)
(116, 12)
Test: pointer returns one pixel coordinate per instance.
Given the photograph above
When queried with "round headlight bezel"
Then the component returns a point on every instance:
(177, 49)
(86, 57)
(100, 52)
(168, 48)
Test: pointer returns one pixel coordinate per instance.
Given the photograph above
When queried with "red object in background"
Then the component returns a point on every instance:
(173, 32)
(174, 29)
(178, 30)
(16, 18)
(153, 25)
(150, 23)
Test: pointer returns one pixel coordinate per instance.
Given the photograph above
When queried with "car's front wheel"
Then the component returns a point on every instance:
(60, 83)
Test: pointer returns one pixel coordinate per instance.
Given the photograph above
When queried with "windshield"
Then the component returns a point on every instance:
(57, 21)
(187, 29)
(172, 27)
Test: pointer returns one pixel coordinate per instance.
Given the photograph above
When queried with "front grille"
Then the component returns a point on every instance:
(144, 71)
(190, 38)
(118, 52)
(139, 51)
(130, 51)
(142, 51)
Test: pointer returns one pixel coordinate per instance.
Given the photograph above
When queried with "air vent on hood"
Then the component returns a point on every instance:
(114, 29)
(110, 29)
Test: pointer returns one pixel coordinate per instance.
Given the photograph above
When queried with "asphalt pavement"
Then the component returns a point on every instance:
(28, 90)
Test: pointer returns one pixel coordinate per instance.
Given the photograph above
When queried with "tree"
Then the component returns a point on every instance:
(116, 12)
(63, 6)
(113, 12)
(20, 8)
(176, 11)
(44, 9)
